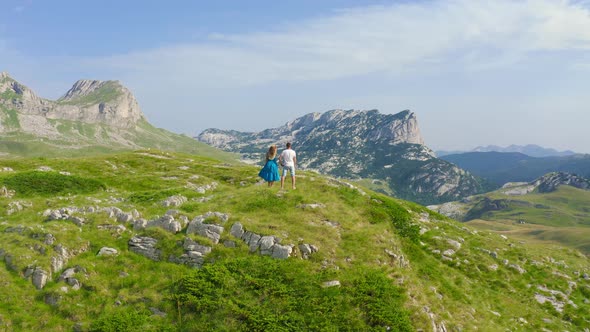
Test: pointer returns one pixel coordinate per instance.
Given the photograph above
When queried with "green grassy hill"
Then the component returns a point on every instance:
(561, 216)
(381, 264)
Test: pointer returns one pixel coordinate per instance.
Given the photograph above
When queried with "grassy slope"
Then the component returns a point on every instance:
(464, 293)
(562, 216)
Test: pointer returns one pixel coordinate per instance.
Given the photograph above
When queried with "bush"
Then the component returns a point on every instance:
(257, 293)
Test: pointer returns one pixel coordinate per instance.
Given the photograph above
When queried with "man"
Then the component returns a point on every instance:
(288, 159)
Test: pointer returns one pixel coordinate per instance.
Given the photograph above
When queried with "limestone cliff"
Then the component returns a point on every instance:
(359, 144)
(91, 116)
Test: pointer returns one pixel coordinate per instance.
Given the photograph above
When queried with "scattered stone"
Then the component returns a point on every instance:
(44, 169)
(493, 267)
(311, 206)
(333, 283)
(116, 228)
(449, 253)
(504, 237)
(106, 251)
(210, 231)
(49, 239)
(6, 169)
(40, 277)
(123, 274)
(517, 268)
(145, 246)
(237, 230)
(454, 244)
(307, 249)
(166, 222)
(175, 201)
(4, 192)
(65, 173)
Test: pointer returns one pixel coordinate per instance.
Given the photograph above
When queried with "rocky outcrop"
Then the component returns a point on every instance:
(551, 181)
(88, 101)
(359, 144)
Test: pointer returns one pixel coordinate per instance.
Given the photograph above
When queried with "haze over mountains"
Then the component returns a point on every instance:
(531, 150)
(359, 144)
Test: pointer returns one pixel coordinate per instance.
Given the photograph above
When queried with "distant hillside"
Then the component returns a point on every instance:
(500, 168)
(359, 145)
(92, 117)
(159, 241)
(556, 203)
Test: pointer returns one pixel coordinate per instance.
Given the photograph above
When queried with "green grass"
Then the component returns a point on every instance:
(238, 290)
(49, 183)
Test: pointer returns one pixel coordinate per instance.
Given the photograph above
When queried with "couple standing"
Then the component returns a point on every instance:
(270, 171)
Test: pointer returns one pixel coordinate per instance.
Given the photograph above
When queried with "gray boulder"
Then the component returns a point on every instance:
(145, 246)
(40, 277)
(106, 251)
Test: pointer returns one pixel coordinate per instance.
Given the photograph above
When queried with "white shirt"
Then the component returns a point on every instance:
(288, 156)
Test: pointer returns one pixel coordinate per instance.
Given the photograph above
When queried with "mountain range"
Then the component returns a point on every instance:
(531, 150)
(502, 167)
(387, 148)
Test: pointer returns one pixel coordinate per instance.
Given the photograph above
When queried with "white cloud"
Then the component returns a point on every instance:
(393, 39)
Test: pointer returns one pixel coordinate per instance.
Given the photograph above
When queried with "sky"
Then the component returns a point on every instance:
(474, 72)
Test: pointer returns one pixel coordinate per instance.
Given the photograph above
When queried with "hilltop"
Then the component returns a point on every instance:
(153, 241)
(91, 117)
(387, 148)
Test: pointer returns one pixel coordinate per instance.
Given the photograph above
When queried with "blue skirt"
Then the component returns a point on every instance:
(270, 171)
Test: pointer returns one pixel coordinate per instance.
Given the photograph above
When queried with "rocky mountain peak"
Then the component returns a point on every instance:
(87, 87)
(358, 144)
(4, 75)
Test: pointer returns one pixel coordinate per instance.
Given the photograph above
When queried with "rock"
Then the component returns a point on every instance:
(4, 192)
(449, 252)
(237, 230)
(281, 252)
(106, 251)
(49, 239)
(517, 268)
(40, 277)
(311, 206)
(265, 244)
(493, 267)
(307, 249)
(44, 169)
(165, 222)
(125, 217)
(191, 245)
(332, 283)
(176, 200)
(455, 244)
(145, 246)
(210, 231)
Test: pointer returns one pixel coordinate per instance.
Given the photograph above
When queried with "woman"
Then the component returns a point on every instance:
(270, 171)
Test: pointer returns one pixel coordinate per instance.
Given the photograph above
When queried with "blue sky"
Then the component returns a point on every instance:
(475, 72)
